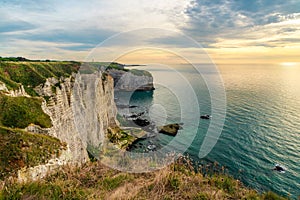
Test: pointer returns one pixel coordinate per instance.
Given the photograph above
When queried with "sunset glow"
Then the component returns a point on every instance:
(244, 32)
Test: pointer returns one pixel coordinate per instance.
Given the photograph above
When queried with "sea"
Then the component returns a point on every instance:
(260, 105)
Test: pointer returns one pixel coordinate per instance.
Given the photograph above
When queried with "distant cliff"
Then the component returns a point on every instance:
(124, 79)
(132, 80)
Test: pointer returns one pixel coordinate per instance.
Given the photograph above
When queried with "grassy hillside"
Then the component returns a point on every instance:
(20, 149)
(21, 111)
(95, 181)
(32, 74)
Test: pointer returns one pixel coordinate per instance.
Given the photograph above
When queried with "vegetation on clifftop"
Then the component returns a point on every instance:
(20, 149)
(96, 181)
(32, 74)
(91, 67)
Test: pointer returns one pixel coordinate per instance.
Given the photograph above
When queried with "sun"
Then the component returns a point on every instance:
(288, 64)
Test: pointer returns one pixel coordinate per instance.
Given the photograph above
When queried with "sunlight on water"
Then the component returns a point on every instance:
(262, 122)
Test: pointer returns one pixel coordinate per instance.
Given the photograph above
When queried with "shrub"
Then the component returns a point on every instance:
(174, 182)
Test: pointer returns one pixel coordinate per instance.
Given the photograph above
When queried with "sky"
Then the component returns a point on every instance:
(141, 31)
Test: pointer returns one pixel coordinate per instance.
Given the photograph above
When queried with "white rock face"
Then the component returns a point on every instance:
(13, 93)
(3, 87)
(94, 107)
(20, 92)
(81, 109)
(40, 171)
(127, 81)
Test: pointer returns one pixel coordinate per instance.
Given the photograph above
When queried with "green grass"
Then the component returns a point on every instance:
(22, 149)
(116, 66)
(111, 183)
(41, 190)
(91, 67)
(32, 74)
(225, 183)
(174, 183)
(19, 112)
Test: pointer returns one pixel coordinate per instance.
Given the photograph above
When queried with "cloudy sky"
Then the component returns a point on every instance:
(230, 31)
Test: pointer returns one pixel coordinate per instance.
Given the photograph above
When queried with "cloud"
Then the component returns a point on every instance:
(14, 26)
(236, 24)
(73, 27)
(84, 22)
(280, 34)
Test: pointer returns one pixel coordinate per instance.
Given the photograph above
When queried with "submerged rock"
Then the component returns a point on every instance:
(126, 106)
(141, 122)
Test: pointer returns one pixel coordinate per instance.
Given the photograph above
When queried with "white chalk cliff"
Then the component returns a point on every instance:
(129, 81)
(81, 108)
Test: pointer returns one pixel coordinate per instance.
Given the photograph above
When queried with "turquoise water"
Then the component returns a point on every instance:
(262, 126)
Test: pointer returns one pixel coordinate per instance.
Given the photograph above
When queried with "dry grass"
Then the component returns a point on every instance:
(96, 181)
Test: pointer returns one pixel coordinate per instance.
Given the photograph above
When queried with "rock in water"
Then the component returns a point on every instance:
(205, 116)
(170, 129)
(141, 122)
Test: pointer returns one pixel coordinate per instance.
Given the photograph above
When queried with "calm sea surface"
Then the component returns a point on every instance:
(262, 125)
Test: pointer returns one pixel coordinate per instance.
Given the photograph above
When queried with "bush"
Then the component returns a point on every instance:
(174, 182)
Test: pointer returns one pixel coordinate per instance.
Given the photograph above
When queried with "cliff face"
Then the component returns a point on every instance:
(81, 109)
(13, 93)
(94, 107)
(132, 80)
